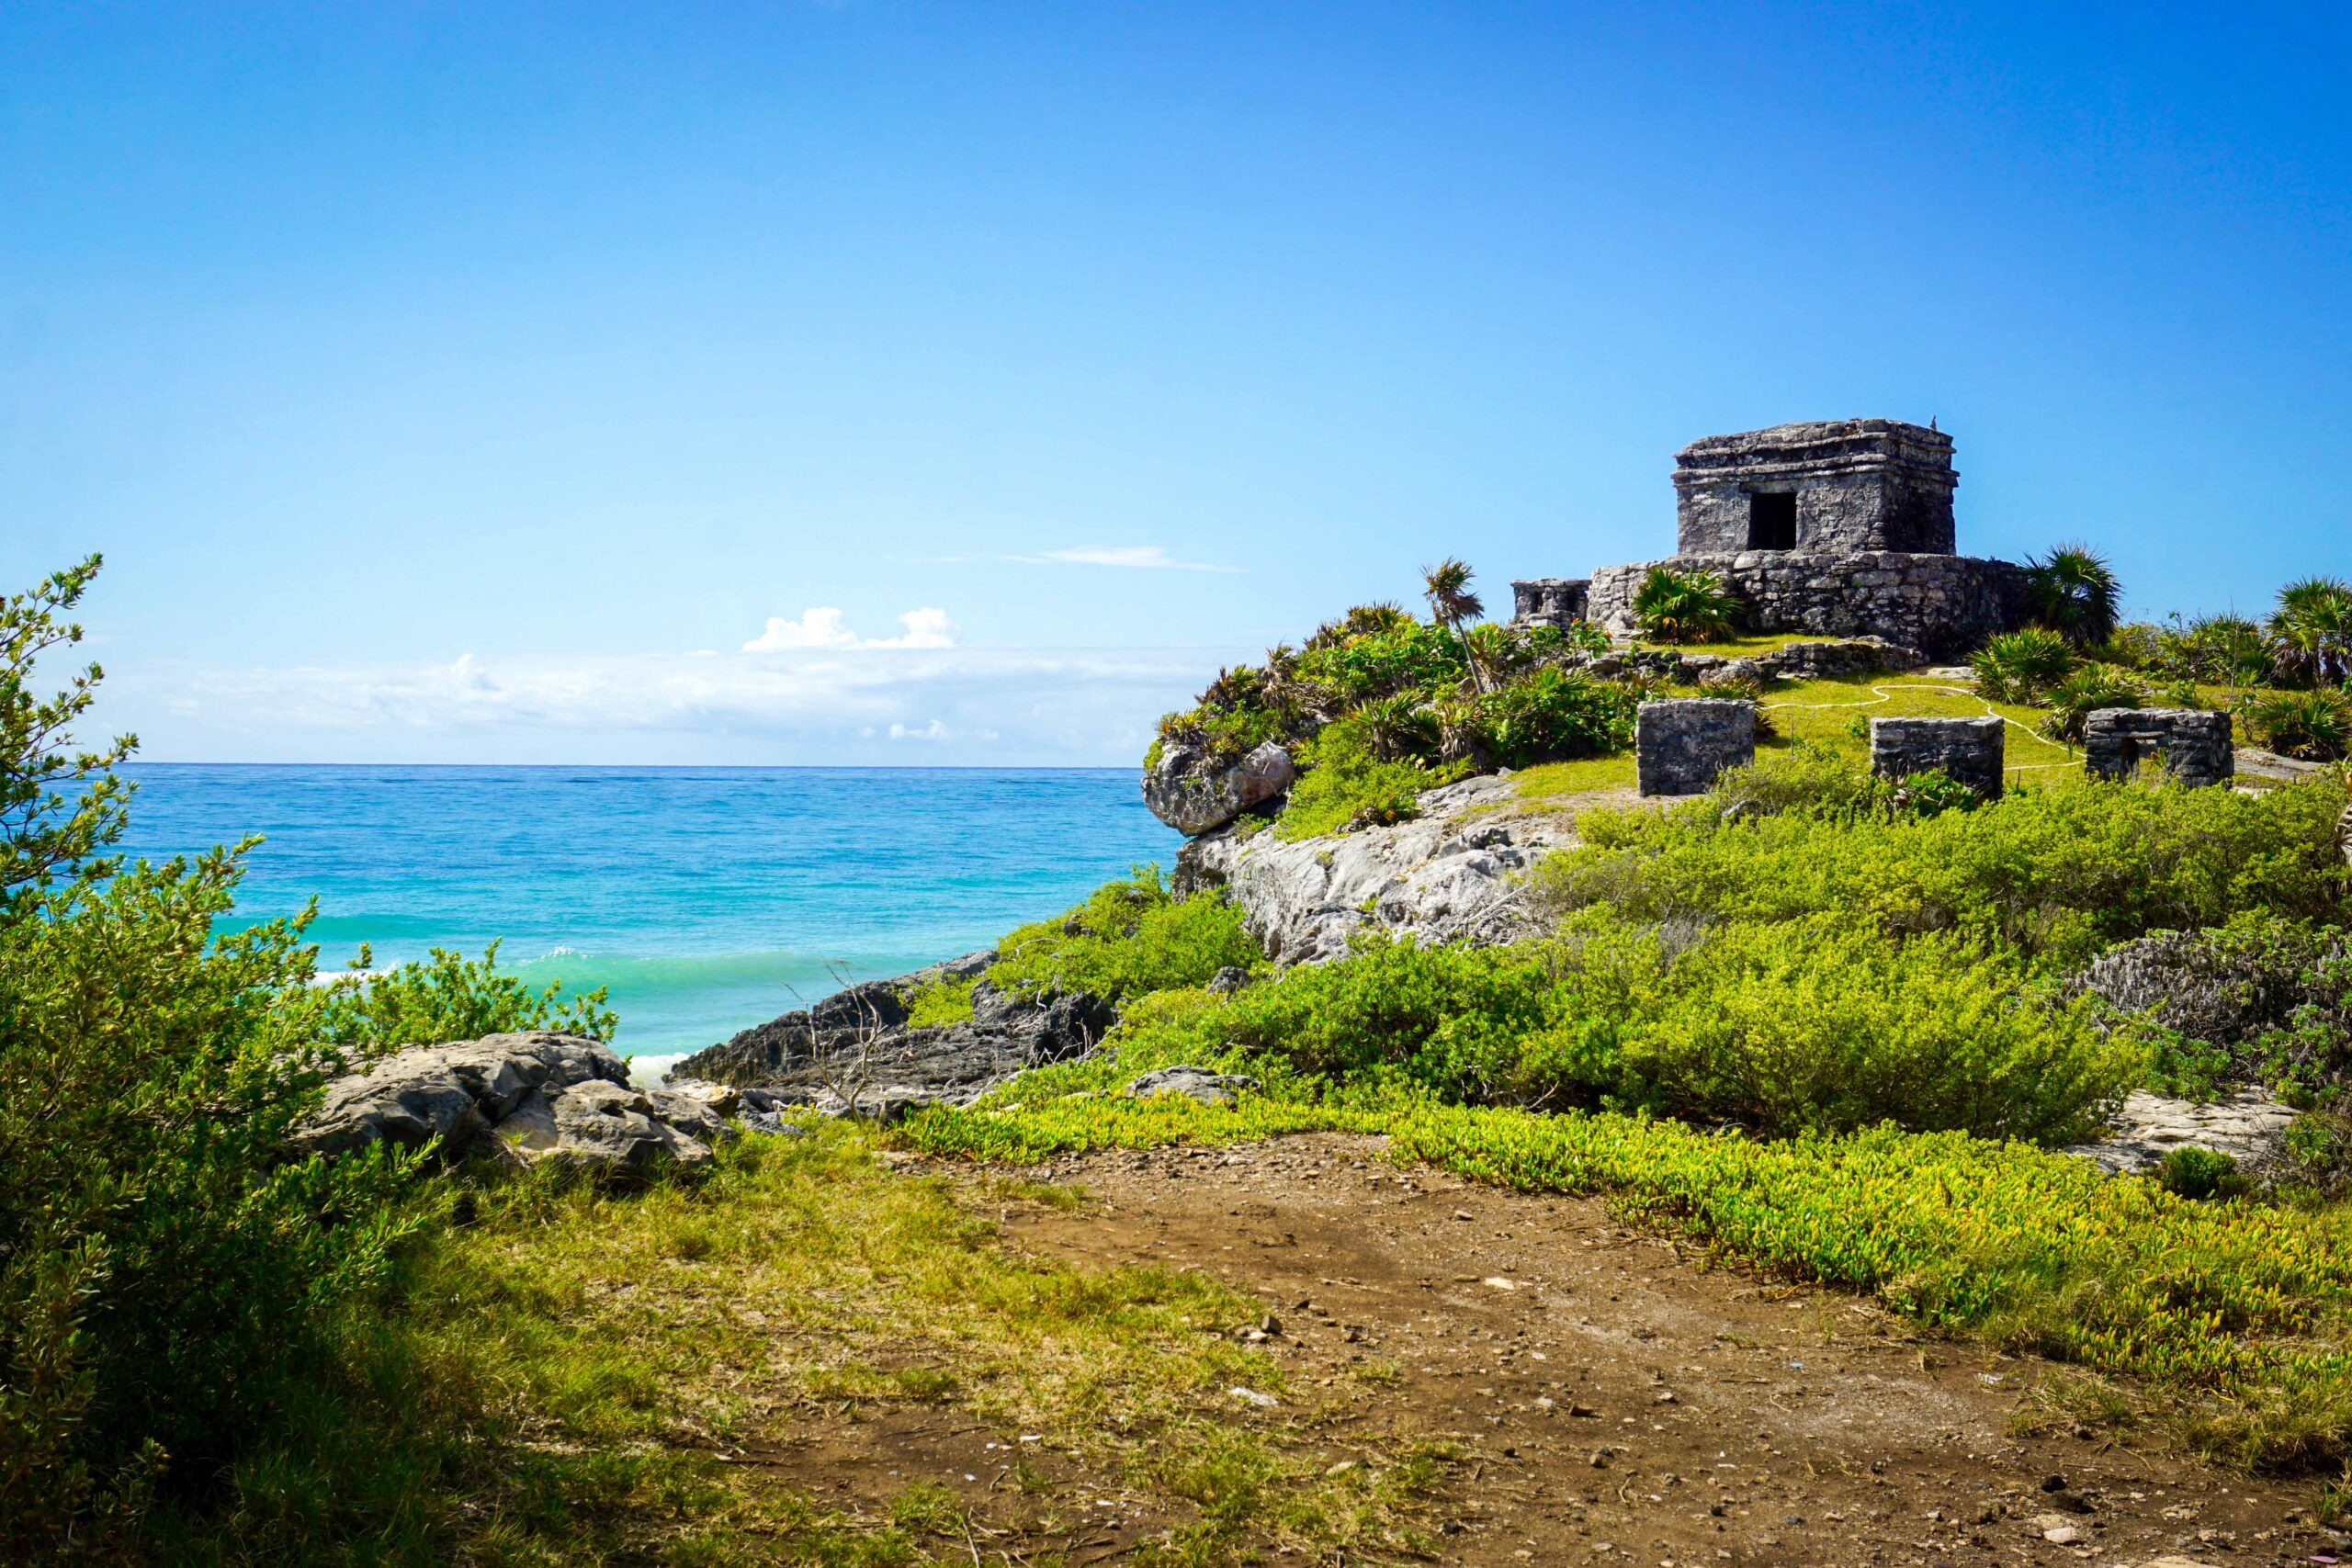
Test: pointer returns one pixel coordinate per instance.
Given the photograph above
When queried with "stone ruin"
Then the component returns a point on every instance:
(1968, 751)
(1681, 743)
(2193, 747)
(1837, 529)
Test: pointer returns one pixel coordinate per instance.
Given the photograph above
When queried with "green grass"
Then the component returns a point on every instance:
(1828, 713)
(574, 1376)
(1735, 647)
(1586, 775)
(2232, 1316)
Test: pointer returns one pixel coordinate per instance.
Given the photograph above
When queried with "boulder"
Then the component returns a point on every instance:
(1450, 874)
(528, 1097)
(860, 1053)
(1193, 1083)
(1184, 790)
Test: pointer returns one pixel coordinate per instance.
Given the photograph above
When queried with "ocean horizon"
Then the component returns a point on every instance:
(706, 899)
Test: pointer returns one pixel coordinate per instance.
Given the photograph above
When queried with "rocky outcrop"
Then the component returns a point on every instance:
(1450, 874)
(1193, 1083)
(2250, 1127)
(518, 1097)
(856, 1051)
(1190, 795)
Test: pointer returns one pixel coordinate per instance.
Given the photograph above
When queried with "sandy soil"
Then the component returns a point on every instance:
(1624, 1403)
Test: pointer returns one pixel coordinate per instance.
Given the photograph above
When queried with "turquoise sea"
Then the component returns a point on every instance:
(704, 897)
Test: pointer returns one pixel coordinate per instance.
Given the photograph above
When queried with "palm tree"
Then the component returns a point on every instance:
(2074, 592)
(2312, 627)
(1452, 603)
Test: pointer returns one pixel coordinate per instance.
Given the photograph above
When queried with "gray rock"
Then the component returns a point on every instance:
(615, 1126)
(2250, 1127)
(1193, 1083)
(525, 1096)
(1682, 743)
(1450, 874)
(809, 1058)
(1227, 980)
(1192, 797)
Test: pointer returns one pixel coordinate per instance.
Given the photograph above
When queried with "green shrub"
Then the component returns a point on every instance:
(1129, 938)
(2084, 692)
(940, 1004)
(1820, 1025)
(2199, 1174)
(1346, 784)
(1810, 1025)
(1551, 717)
(444, 997)
(2072, 591)
(2218, 651)
(2022, 666)
(1676, 606)
(2315, 724)
(1410, 656)
(174, 1290)
(1805, 779)
(2060, 872)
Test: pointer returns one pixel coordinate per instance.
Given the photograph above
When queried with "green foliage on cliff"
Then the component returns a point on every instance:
(1130, 938)
(1426, 691)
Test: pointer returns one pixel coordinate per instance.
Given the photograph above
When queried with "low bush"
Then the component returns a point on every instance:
(2315, 724)
(2059, 872)
(2085, 690)
(1348, 784)
(175, 1293)
(2023, 666)
(444, 997)
(1806, 1025)
(1677, 606)
(1129, 938)
(940, 1004)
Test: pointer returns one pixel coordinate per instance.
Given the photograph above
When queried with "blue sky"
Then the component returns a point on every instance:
(474, 383)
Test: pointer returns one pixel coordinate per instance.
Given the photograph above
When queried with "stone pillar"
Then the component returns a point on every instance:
(1549, 601)
(2194, 747)
(1681, 744)
(1969, 750)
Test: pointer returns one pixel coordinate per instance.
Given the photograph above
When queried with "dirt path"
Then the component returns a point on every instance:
(1626, 1404)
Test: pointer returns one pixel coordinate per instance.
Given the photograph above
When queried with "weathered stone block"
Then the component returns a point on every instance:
(1944, 606)
(2194, 747)
(1832, 485)
(1681, 744)
(1549, 601)
(1969, 750)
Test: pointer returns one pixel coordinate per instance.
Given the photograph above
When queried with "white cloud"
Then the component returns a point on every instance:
(866, 701)
(1148, 558)
(925, 629)
(820, 627)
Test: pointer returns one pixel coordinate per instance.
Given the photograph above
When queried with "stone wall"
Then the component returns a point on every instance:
(1969, 750)
(1549, 601)
(1945, 606)
(1859, 484)
(2193, 746)
(1681, 743)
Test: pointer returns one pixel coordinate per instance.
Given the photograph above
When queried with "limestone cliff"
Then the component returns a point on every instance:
(1452, 873)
